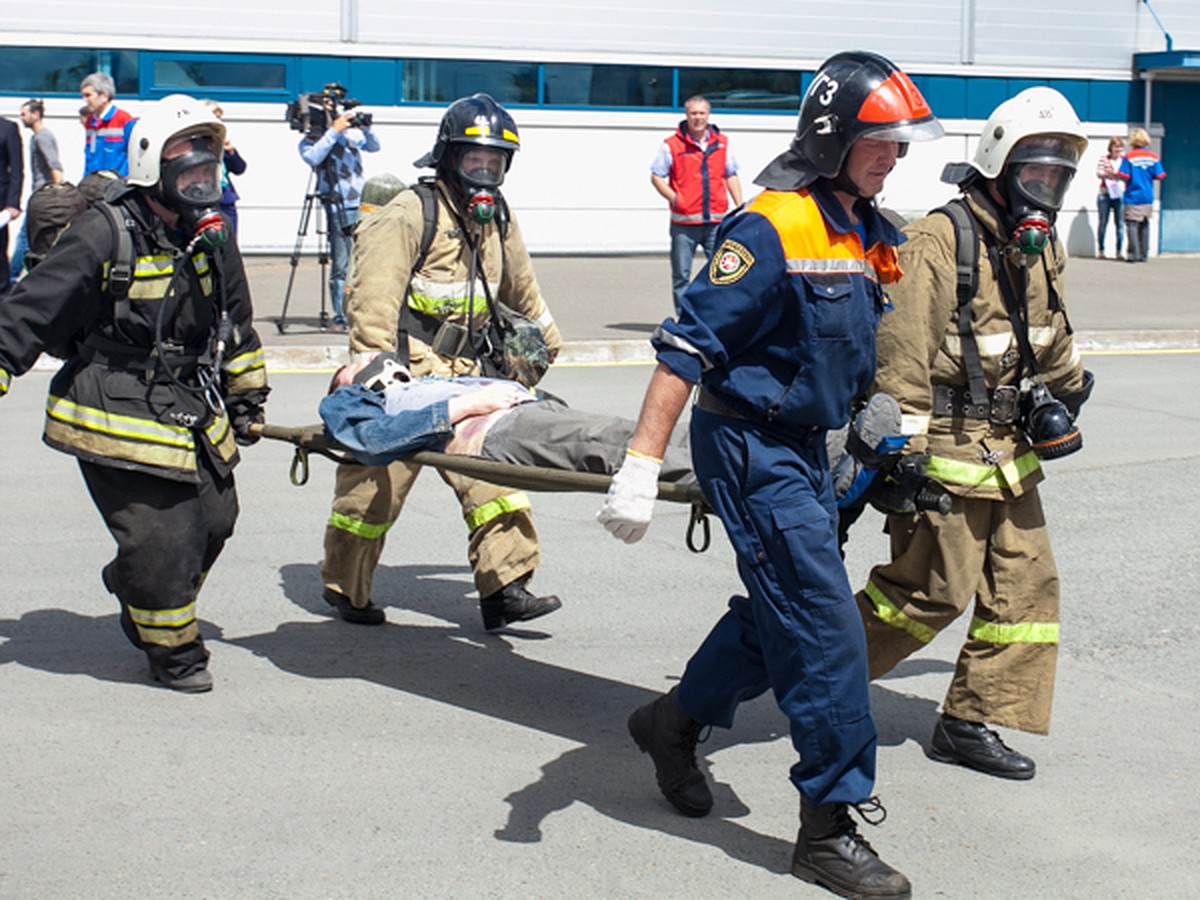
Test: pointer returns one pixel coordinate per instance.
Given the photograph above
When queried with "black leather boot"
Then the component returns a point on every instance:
(976, 746)
(358, 615)
(183, 668)
(512, 603)
(669, 735)
(830, 852)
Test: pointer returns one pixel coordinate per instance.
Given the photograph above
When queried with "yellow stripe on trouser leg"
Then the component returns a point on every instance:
(509, 503)
(888, 612)
(166, 627)
(358, 527)
(1020, 633)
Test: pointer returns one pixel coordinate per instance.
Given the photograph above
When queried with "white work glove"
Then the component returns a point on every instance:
(629, 505)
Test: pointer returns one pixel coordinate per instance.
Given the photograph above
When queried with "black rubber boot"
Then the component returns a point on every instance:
(670, 735)
(512, 603)
(830, 852)
(358, 615)
(974, 745)
(183, 669)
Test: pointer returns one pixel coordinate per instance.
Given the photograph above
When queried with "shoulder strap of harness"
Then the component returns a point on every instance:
(122, 259)
(426, 189)
(966, 242)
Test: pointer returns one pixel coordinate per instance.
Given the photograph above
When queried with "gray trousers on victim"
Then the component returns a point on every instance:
(554, 435)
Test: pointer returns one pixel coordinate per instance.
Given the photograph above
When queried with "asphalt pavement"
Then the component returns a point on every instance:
(426, 758)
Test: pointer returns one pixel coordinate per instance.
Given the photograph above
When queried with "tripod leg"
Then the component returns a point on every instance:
(323, 258)
(294, 260)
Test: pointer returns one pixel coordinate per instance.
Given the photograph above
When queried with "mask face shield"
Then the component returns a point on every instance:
(1040, 169)
(482, 167)
(191, 178)
(191, 184)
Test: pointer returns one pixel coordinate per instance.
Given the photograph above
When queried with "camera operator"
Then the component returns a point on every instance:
(335, 154)
(976, 350)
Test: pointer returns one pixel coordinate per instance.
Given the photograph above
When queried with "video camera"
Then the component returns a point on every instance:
(312, 113)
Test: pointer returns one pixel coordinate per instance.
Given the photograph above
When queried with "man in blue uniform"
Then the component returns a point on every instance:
(779, 334)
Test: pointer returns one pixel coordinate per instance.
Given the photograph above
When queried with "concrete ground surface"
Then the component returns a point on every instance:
(426, 758)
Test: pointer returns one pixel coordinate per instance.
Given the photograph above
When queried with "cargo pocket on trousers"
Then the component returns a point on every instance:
(829, 628)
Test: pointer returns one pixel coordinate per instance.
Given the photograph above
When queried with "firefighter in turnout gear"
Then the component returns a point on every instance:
(429, 268)
(163, 374)
(779, 334)
(980, 357)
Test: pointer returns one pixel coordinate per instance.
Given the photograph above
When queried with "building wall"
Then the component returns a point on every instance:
(581, 180)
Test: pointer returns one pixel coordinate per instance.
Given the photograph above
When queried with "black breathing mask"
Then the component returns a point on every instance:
(480, 171)
(191, 185)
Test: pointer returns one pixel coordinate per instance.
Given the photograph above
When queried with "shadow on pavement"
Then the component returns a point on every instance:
(458, 664)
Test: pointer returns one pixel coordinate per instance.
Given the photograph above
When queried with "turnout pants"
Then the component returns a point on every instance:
(997, 553)
(367, 500)
(169, 534)
(798, 632)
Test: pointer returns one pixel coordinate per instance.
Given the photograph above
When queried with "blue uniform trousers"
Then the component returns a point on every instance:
(799, 632)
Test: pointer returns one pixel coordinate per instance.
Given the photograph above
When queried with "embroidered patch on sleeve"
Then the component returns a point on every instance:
(729, 263)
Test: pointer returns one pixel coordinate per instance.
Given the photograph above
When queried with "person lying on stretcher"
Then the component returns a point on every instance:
(379, 413)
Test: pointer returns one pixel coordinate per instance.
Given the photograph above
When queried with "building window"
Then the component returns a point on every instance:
(444, 80)
(191, 74)
(36, 71)
(736, 89)
(569, 84)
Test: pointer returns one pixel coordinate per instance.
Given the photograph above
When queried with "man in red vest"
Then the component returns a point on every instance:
(693, 171)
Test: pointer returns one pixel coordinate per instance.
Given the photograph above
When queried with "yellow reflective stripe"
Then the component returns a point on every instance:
(128, 427)
(888, 612)
(5, 381)
(220, 434)
(509, 503)
(1020, 633)
(357, 527)
(153, 266)
(990, 345)
(1041, 335)
(953, 471)
(439, 298)
(164, 618)
(253, 359)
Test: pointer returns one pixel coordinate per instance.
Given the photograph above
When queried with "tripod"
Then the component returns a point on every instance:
(311, 200)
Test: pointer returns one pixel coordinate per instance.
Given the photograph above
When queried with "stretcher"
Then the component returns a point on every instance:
(310, 439)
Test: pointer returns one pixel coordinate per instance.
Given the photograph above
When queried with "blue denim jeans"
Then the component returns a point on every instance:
(684, 239)
(1106, 206)
(341, 218)
(17, 264)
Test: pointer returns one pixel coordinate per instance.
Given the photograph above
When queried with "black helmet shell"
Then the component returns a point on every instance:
(477, 120)
(853, 95)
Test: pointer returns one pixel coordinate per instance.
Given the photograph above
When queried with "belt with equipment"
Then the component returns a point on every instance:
(1002, 405)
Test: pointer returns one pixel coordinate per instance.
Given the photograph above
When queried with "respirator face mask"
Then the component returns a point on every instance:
(191, 184)
(481, 172)
(1036, 177)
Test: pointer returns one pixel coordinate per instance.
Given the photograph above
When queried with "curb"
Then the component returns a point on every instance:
(327, 357)
(639, 351)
